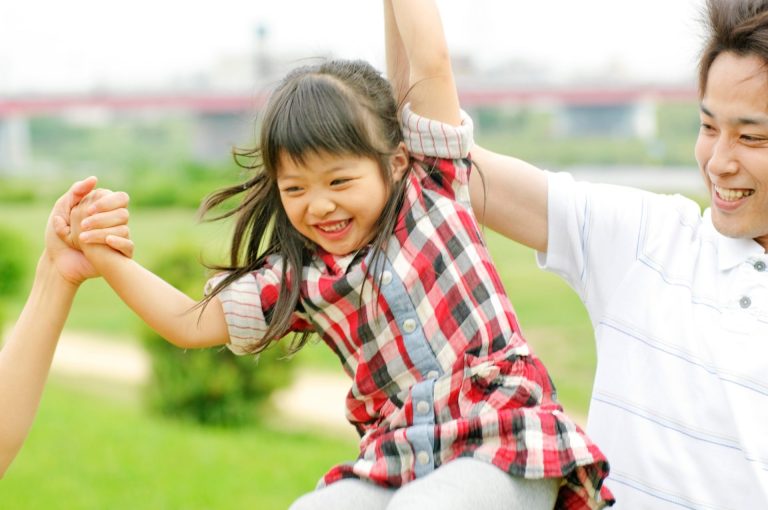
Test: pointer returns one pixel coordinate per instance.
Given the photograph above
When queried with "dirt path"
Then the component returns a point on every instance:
(314, 398)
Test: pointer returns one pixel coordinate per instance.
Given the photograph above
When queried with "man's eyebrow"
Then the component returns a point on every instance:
(759, 120)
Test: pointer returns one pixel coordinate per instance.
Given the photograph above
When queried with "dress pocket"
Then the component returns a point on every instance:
(507, 379)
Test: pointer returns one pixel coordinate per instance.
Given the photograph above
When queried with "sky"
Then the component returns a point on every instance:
(77, 45)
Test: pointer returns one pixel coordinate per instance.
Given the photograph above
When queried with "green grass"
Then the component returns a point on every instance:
(96, 451)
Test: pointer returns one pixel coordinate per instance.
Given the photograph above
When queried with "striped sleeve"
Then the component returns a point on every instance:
(441, 152)
(245, 301)
(430, 138)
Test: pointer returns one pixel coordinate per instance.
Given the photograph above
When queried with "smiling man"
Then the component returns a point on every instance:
(732, 147)
(678, 297)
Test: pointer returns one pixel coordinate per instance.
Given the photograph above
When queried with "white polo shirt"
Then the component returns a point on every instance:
(680, 312)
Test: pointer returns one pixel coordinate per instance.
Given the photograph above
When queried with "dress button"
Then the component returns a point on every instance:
(422, 407)
(409, 325)
(386, 278)
(432, 374)
(422, 458)
(760, 266)
(745, 302)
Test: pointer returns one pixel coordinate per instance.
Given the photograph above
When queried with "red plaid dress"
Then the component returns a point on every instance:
(438, 365)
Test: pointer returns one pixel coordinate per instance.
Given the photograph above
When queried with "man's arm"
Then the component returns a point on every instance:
(510, 197)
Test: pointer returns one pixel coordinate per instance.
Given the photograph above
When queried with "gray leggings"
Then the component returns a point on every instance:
(462, 483)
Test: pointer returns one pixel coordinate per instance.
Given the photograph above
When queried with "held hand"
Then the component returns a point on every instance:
(59, 248)
(102, 218)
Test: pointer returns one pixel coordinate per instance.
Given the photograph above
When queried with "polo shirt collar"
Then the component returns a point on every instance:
(732, 251)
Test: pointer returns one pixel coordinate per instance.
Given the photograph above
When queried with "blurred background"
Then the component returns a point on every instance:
(152, 96)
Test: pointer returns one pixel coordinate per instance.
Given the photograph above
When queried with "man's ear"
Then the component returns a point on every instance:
(399, 162)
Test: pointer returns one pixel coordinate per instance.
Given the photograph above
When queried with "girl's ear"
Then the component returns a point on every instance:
(399, 162)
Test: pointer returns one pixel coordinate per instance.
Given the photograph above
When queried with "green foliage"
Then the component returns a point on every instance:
(208, 386)
(13, 251)
(13, 267)
(16, 191)
(529, 134)
(181, 184)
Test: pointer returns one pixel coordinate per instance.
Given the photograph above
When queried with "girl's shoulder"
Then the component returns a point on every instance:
(430, 138)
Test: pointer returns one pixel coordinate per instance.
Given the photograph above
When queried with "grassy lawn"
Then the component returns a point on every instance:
(95, 451)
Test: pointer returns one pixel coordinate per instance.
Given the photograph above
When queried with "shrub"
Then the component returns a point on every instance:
(208, 386)
(12, 263)
(12, 266)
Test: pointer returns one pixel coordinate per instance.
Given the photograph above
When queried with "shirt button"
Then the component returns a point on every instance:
(760, 266)
(422, 407)
(745, 302)
(422, 458)
(432, 374)
(386, 278)
(409, 325)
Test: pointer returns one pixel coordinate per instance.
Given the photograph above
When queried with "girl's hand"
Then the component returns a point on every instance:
(102, 218)
(60, 250)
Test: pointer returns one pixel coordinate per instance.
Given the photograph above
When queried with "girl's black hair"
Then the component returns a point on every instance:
(338, 107)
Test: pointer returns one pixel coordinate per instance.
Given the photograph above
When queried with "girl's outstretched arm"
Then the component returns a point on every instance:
(415, 41)
(164, 308)
(28, 350)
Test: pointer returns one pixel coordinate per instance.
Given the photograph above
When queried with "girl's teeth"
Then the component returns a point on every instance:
(335, 227)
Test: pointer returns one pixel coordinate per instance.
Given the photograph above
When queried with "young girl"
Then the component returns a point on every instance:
(358, 229)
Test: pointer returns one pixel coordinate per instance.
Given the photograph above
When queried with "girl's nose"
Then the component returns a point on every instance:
(321, 206)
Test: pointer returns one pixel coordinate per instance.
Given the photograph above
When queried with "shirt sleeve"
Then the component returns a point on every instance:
(593, 237)
(441, 152)
(247, 301)
(598, 232)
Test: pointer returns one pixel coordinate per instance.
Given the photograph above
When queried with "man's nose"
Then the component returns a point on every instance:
(723, 159)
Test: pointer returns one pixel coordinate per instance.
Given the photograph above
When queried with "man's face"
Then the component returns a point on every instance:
(732, 147)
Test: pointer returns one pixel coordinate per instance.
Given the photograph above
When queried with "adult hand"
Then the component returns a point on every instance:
(60, 251)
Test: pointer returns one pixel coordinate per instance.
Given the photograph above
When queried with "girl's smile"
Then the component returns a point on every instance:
(334, 229)
(334, 201)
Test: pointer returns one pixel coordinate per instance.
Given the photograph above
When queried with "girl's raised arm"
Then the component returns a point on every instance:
(512, 194)
(417, 55)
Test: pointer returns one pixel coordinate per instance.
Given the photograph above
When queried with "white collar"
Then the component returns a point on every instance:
(732, 251)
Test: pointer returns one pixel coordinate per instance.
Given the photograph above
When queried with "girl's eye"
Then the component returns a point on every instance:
(338, 182)
(752, 139)
(291, 189)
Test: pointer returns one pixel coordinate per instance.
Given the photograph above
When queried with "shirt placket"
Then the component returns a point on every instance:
(421, 433)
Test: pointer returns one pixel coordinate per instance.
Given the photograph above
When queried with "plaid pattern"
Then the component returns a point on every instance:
(439, 366)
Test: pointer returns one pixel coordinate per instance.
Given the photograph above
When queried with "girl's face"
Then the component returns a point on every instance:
(334, 201)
